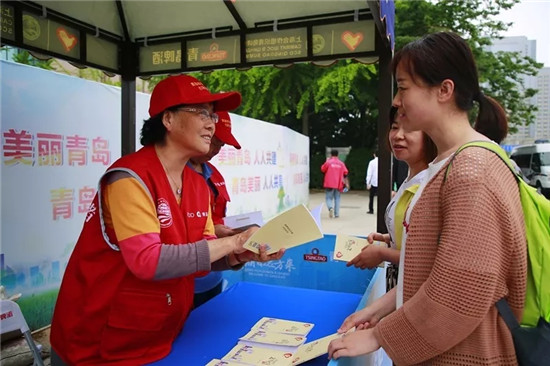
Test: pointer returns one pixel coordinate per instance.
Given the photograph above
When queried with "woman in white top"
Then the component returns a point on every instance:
(417, 150)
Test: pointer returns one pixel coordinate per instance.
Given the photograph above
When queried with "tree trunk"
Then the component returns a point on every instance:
(305, 123)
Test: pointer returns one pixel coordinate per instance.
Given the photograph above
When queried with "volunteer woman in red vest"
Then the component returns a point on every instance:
(208, 286)
(128, 286)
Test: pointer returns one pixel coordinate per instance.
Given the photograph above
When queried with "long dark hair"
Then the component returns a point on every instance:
(445, 55)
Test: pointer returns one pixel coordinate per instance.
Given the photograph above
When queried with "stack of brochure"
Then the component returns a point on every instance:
(273, 341)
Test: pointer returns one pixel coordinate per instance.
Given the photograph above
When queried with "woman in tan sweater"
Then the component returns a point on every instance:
(464, 244)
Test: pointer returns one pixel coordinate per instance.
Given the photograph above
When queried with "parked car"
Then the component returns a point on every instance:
(534, 162)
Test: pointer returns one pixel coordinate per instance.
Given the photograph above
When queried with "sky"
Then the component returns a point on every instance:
(531, 19)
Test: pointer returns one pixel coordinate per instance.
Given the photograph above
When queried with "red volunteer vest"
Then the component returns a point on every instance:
(104, 314)
(219, 203)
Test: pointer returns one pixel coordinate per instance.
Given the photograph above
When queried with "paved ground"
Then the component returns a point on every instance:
(353, 219)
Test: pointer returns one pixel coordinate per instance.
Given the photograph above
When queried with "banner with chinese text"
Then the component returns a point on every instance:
(59, 134)
(270, 173)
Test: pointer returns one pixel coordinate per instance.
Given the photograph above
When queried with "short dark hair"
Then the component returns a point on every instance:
(334, 152)
(445, 55)
(153, 130)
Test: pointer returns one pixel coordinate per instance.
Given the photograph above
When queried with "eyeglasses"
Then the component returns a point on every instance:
(203, 113)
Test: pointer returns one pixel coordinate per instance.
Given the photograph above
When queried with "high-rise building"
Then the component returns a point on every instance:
(542, 122)
(540, 128)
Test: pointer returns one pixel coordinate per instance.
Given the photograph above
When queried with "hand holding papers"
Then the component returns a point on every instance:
(243, 255)
(313, 349)
(244, 221)
(289, 229)
(348, 247)
(354, 344)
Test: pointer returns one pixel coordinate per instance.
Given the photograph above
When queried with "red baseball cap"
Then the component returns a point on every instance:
(185, 89)
(223, 130)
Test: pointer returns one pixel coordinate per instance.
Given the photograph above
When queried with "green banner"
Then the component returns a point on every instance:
(160, 57)
(284, 44)
(336, 39)
(8, 24)
(50, 36)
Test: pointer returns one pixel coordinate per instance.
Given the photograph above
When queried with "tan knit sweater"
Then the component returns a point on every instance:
(465, 249)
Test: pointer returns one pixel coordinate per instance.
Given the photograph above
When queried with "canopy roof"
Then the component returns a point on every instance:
(146, 37)
(174, 36)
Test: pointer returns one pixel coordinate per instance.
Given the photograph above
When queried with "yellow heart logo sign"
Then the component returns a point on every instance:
(352, 40)
(67, 40)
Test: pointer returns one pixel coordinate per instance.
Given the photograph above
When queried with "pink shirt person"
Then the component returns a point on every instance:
(334, 170)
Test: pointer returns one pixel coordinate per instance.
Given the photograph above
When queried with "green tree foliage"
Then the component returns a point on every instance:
(333, 105)
(337, 105)
(98, 75)
(357, 162)
(24, 57)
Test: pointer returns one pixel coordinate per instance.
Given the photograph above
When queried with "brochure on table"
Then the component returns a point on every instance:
(273, 341)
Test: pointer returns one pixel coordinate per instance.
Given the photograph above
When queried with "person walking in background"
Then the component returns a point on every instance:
(372, 181)
(335, 172)
(464, 246)
(208, 286)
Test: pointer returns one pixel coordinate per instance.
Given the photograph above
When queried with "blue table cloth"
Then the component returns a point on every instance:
(214, 328)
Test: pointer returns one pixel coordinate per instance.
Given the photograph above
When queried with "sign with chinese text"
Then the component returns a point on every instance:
(160, 57)
(59, 134)
(284, 44)
(271, 171)
(50, 35)
(218, 51)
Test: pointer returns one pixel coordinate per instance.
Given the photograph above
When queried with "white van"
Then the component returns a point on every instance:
(534, 162)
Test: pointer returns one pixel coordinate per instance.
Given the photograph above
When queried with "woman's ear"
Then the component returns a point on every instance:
(167, 120)
(446, 90)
